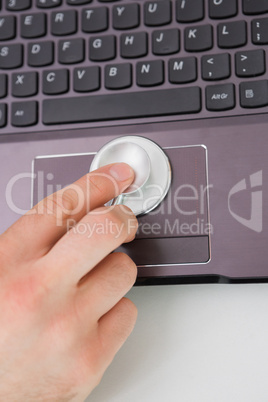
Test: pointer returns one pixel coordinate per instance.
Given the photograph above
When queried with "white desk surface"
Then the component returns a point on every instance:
(193, 343)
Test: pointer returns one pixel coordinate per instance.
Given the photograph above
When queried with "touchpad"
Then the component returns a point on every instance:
(176, 232)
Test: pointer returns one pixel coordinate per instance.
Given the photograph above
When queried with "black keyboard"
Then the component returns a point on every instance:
(83, 63)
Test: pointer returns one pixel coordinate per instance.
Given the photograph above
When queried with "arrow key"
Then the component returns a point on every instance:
(216, 67)
(250, 63)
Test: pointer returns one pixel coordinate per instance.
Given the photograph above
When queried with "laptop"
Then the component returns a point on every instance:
(186, 76)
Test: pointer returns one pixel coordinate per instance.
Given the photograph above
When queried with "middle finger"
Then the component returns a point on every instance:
(98, 234)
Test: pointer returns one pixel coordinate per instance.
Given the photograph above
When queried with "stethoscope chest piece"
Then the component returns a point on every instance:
(150, 164)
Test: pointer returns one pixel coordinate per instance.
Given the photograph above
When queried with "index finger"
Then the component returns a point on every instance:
(35, 233)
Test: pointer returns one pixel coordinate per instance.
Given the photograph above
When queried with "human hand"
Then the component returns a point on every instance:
(63, 315)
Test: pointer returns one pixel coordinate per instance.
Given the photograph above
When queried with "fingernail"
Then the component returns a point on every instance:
(121, 172)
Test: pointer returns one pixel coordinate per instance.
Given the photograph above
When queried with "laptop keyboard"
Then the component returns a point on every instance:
(83, 63)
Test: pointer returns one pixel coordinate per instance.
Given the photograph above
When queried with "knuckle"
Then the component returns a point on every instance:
(115, 223)
(125, 316)
(88, 365)
(122, 275)
(119, 223)
(96, 185)
(129, 309)
(69, 199)
(25, 294)
(125, 268)
(59, 202)
(127, 219)
(127, 312)
(126, 262)
(114, 214)
(126, 211)
(128, 265)
(133, 227)
(130, 217)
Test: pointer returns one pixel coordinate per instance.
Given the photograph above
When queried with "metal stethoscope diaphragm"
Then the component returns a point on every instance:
(150, 164)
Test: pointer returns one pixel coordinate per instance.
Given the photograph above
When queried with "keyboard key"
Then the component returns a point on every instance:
(109, 107)
(78, 2)
(95, 19)
(3, 114)
(198, 38)
(166, 41)
(102, 48)
(255, 6)
(24, 84)
(71, 51)
(7, 27)
(260, 31)
(11, 56)
(216, 67)
(150, 73)
(232, 34)
(220, 97)
(3, 85)
(48, 3)
(64, 22)
(126, 16)
(254, 94)
(17, 5)
(189, 10)
(222, 8)
(33, 25)
(24, 114)
(157, 12)
(86, 79)
(55, 82)
(118, 76)
(133, 45)
(250, 63)
(40, 54)
(182, 70)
